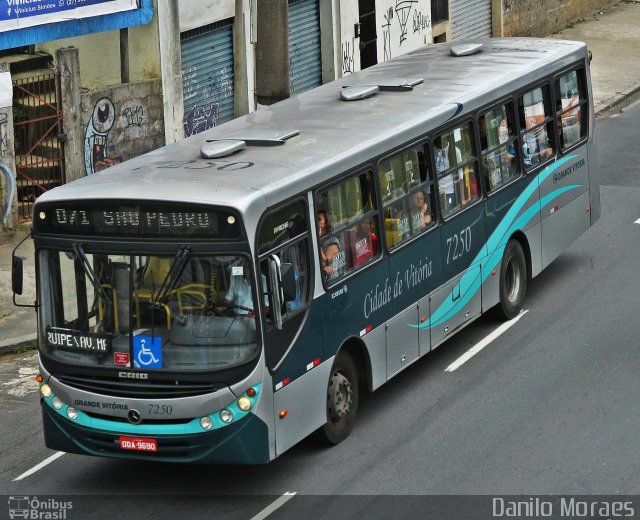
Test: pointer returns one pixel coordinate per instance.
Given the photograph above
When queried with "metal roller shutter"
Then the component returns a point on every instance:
(207, 76)
(470, 19)
(304, 45)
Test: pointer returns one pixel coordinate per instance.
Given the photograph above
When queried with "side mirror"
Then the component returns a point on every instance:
(277, 293)
(17, 270)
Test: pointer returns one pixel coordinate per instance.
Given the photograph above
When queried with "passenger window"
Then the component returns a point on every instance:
(499, 146)
(455, 161)
(571, 108)
(348, 227)
(407, 195)
(285, 234)
(537, 127)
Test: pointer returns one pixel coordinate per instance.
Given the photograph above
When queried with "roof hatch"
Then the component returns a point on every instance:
(227, 144)
(370, 87)
(465, 49)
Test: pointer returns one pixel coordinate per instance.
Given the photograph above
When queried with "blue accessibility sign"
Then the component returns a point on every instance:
(147, 351)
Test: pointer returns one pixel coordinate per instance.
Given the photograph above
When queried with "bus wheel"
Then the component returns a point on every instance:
(513, 281)
(342, 400)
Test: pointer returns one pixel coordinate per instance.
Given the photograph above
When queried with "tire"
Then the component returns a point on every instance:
(513, 281)
(342, 401)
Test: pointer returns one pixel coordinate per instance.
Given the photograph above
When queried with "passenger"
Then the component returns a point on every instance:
(332, 258)
(423, 209)
(450, 183)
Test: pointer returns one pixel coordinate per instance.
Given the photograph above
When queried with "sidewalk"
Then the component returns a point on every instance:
(613, 37)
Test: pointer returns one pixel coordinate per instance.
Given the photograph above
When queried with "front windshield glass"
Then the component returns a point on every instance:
(178, 312)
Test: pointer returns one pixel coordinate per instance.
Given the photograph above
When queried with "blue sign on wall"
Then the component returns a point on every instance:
(26, 22)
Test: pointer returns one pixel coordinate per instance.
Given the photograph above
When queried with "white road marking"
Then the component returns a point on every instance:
(40, 466)
(275, 505)
(484, 342)
(637, 221)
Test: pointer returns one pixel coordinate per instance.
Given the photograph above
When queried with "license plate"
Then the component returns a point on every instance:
(138, 444)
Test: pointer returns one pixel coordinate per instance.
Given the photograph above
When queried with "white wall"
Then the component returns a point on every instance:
(401, 26)
(197, 13)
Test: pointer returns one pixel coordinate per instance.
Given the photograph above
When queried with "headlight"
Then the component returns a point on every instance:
(244, 403)
(45, 390)
(72, 413)
(206, 423)
(226, 416)
(56, 402)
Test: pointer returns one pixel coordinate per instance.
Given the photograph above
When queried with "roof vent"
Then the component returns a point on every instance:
(230, 143)
(371, 87)
(465, 49)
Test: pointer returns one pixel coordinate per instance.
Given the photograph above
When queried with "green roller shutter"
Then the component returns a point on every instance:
(304, 45)
(207, 76)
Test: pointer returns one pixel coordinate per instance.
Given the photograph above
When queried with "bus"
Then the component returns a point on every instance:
(224, 297)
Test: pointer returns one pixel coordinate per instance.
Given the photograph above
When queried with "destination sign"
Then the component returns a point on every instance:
(136, 221)
(78, 341)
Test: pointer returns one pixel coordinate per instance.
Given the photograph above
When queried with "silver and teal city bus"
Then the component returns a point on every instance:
(222, 298)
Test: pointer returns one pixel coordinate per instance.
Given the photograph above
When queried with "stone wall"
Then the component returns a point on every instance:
(121, 122)
(544, 17)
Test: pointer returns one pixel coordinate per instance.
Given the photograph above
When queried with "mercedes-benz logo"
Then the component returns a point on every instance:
(134, 416)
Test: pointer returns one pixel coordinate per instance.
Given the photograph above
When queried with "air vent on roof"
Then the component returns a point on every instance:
(465, 49)
(226, 144)
(371, 86)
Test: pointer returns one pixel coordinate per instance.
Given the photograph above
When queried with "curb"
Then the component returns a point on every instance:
(7, 345)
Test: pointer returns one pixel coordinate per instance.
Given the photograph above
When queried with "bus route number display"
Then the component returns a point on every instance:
(78, 341)
(136, 221)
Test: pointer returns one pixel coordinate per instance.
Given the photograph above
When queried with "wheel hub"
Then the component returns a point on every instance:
(340, 396)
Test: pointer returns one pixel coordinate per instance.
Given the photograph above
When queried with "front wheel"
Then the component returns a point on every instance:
(342, 400)
(513, 281)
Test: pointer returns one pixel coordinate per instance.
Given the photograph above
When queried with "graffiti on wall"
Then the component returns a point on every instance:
(348, 59)
(95, 138)
(132, 119)
(403, 10)
(9, 192)
(3, 134)
(210, 90)
(421, 22)
(9, 180)
(386, 33)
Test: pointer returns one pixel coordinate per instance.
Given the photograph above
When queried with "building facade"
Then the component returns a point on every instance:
(199, 63)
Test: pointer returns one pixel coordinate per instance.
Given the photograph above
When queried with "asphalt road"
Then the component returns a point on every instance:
(548, 408)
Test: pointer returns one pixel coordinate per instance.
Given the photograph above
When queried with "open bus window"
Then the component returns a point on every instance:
(455, 161)
(173, 312)
(536, 119)
(348, 226)
(499, 146)
(407, 195)
(284, 233)
(571, 107)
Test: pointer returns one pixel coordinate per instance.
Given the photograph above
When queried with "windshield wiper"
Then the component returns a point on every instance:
(173, 276)
(81, 258)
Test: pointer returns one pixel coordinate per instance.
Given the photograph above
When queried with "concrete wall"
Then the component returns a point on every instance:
(8, 189)
(100, 55)
(543, 17)
(121, 122)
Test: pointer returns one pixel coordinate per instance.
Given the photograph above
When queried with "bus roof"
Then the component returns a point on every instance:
(334, 135)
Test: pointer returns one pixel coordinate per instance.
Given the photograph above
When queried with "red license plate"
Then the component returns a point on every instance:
(138, 444)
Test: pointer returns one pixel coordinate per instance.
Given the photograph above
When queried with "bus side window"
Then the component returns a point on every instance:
(498, 141)
(571, 108)
(406, 186)
(348, 226)
(536, 120)
(456, 168)
(285, 234)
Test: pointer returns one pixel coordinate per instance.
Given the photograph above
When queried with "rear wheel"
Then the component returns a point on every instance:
(342, 400)
(513, 281)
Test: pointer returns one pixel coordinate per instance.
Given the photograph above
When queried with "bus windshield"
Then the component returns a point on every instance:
(180, 312)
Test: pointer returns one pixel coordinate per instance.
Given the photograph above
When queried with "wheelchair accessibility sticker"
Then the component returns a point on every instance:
(147, 351)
